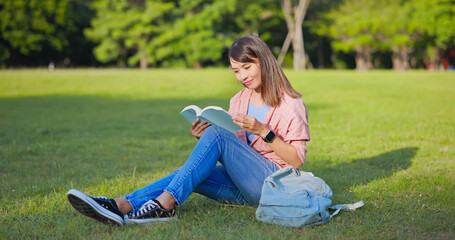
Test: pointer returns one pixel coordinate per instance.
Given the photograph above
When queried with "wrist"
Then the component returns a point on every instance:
(264, 132)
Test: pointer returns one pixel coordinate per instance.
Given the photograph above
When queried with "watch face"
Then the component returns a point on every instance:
(269, 137)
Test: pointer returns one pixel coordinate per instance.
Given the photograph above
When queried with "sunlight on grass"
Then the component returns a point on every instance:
(133, 84)
(383, 137)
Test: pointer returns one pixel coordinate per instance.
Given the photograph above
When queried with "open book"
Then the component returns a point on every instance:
(214, 115)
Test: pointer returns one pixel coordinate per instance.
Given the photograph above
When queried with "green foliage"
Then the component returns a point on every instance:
(194, 35)
(197, 32)
(193, 31)
(28, 25)
(125, 28)
(353, 24)
(254, 16)
(394, 27)
(385, 24)
(434, 18)
(161, 31)
(382, 137)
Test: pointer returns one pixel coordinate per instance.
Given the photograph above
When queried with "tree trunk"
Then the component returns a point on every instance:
(143, 58)
(299, 51)
(143, 62)
(400, 58)
(308, 62)
(435, 61)
(363, 58)
(294, 25)
(285, 48)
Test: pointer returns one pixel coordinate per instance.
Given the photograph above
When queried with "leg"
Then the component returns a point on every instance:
(219, 186)
(151, 191)
(246, 168)
(244, 165)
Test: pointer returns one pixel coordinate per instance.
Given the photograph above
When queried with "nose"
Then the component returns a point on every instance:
(243, 75)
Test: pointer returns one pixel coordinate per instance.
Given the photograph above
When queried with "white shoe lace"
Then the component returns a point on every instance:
(100, 197)
(146, 207)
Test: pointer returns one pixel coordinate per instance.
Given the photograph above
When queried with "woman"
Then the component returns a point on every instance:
(275, 124)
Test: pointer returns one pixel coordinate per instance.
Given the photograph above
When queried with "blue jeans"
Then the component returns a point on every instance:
(238, 180)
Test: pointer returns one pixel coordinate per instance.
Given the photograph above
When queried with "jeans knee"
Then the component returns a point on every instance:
(212, 131)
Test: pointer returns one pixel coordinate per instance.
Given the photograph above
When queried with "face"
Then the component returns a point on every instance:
(248, 73)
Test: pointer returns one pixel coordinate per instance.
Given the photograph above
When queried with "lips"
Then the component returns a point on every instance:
(248, 82)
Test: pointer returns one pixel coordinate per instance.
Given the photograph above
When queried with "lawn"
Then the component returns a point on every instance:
(382, 137)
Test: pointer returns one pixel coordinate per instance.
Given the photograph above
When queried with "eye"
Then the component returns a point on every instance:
(235, 71)
(247, 67)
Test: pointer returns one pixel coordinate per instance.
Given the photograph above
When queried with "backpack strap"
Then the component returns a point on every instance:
(346, 207)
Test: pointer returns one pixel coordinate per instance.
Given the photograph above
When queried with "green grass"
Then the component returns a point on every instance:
(382, 137)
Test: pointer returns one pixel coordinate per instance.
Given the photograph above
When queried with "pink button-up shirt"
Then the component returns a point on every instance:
(289, 121)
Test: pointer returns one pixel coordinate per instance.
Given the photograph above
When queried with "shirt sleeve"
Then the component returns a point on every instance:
(300, 146)
(234, 103)
(297, 130)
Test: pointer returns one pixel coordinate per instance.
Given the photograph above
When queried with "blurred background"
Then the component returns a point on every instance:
(303, 34)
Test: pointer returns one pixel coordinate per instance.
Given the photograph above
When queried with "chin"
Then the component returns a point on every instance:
(255, 88)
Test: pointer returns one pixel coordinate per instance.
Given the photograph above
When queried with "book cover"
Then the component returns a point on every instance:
(214, 115)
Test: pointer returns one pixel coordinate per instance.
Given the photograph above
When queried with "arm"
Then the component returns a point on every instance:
(284, 150)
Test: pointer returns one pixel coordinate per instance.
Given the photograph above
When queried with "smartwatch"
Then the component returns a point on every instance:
(269, 137)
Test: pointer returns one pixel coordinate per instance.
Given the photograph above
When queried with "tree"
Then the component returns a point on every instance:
(29, 26)
(395, 33)
(253, 16)
(294, 16)
(125, 28)
(317, 45)
(434, 20)
(197, 33)
(354, 25)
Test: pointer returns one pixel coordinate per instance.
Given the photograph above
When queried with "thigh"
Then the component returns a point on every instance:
(219, 186)
(246, 168)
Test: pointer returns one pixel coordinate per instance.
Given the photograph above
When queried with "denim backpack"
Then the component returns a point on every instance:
(295, 198)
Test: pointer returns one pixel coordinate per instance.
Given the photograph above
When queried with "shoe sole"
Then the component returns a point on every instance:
(150, 220)
(88, 207)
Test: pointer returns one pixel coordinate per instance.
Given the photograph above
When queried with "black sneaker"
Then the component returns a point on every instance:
(149, 212)
(101, 209)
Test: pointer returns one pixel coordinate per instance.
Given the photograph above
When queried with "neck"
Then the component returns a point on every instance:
(256, 99)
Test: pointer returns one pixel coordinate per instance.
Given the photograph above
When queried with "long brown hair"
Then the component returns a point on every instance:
(250, 48)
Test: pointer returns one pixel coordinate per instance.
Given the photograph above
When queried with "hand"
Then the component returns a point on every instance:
(198, 128)
(250, 124)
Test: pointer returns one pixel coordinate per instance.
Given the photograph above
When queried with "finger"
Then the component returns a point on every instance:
(235, 117)
(249, 118)
(206, 125)
(202, 125)
(240, 124)
(200, 132)
(240, 115)
(194, 123)
(239, 120)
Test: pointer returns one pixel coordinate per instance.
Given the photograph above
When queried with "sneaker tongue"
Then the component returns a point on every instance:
(157, 202)
(116, 210)
(114, 204)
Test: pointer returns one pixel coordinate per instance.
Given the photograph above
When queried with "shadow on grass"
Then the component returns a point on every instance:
(53, 141)
(49, 142)
(362, 171)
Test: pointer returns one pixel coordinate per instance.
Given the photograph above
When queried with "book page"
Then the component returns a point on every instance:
(191, 112)
(219, 117)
